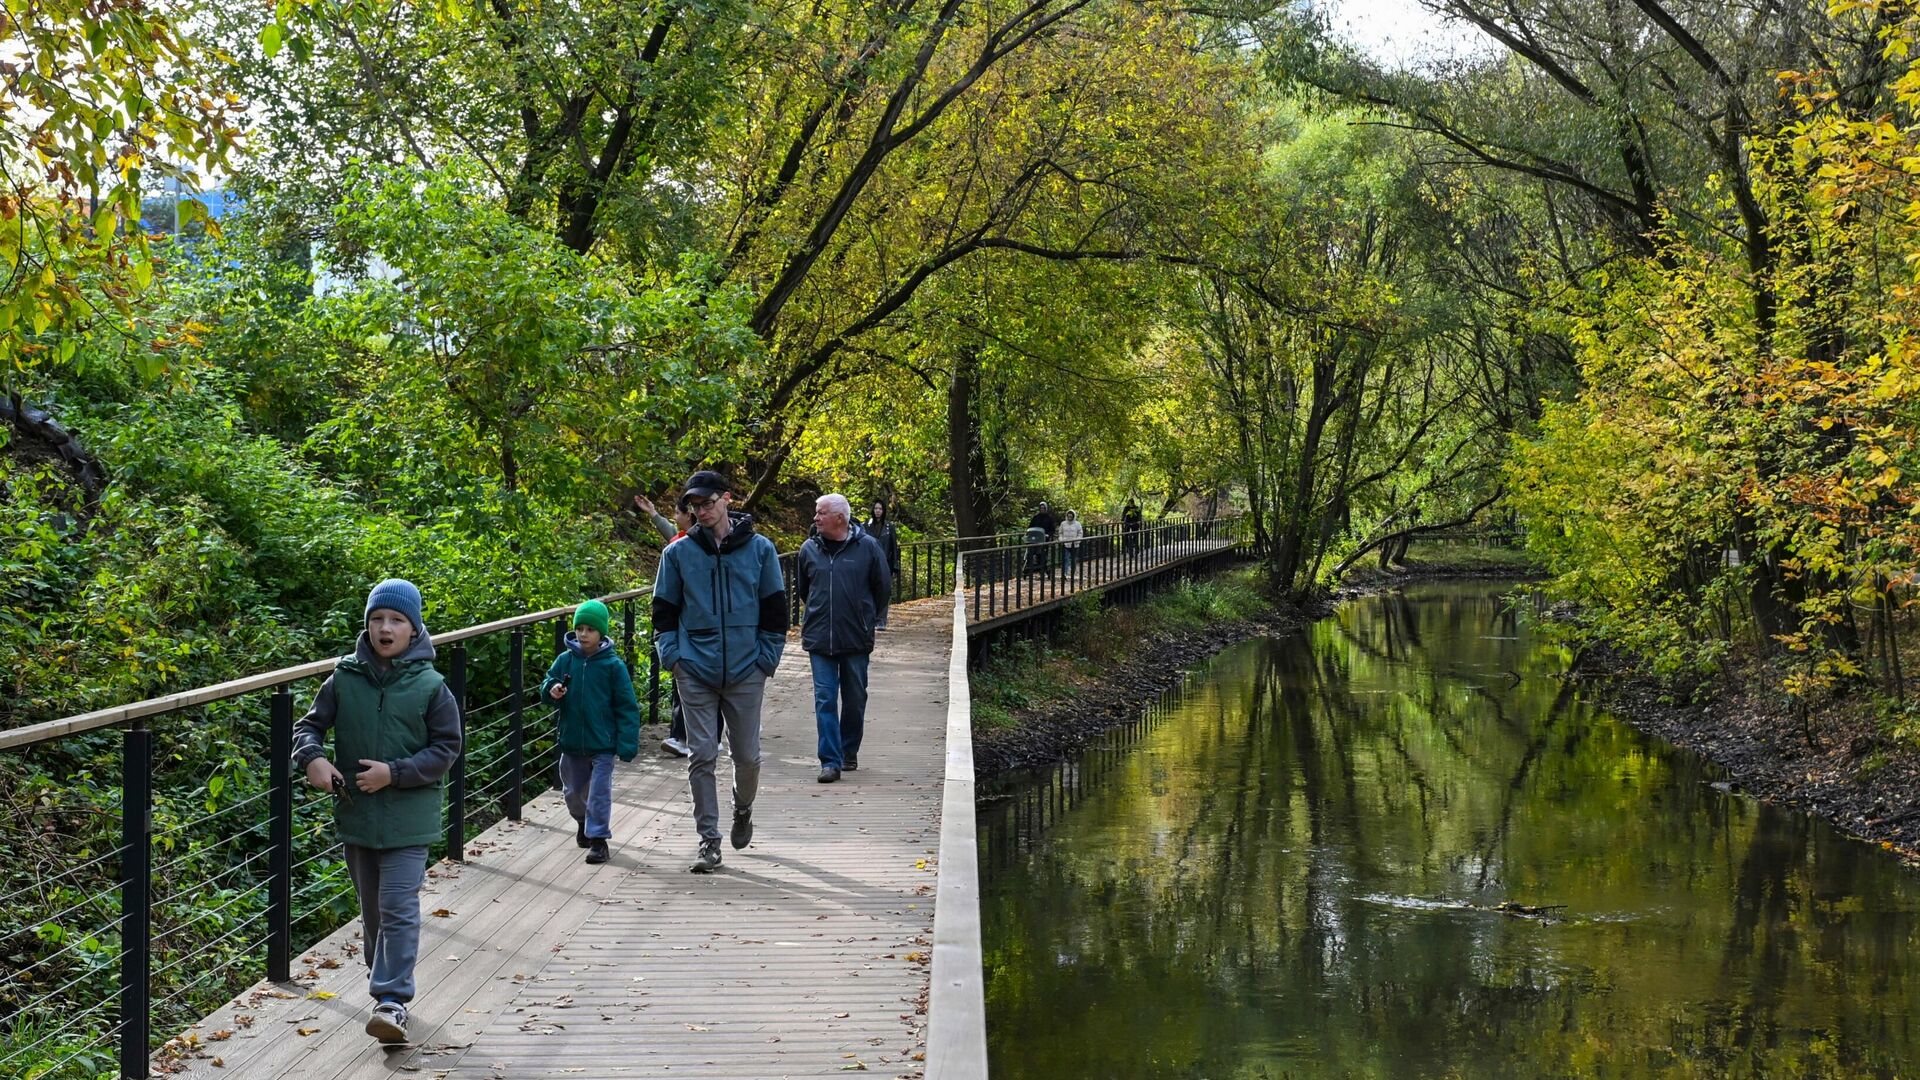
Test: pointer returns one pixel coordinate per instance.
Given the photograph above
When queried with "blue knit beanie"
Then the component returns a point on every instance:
(396, 594)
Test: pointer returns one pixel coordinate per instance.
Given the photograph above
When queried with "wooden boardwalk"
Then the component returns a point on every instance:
(805, 956)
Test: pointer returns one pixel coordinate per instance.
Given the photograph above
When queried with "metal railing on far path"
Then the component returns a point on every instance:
(1011, 577)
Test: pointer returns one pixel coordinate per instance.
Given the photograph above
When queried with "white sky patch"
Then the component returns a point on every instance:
(1405, 33)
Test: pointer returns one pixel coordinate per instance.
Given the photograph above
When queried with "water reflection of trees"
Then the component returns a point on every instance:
(1263, 910)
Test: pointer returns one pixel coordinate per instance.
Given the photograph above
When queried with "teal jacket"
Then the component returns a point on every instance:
(599, 715)
(720, 609)
(400, 713)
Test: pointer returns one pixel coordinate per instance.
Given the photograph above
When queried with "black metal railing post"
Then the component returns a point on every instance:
(457, 785)
(516, 722)
(280, 840)
(136, 897)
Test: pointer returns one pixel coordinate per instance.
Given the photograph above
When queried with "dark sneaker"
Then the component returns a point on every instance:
(388, 1022)
(709, 859)
(742, 828)
(596, 851)
(828, 774)
(579, 832)
(852, 764)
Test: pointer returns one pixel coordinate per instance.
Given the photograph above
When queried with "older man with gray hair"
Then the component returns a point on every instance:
(844, 581)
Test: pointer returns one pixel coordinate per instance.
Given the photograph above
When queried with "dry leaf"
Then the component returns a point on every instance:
(697, 1027)
(322, 995)
(220, 1036)
(306, 1031)
(442, 913)
(219, 1063)
(329, 963)
(243, 1021)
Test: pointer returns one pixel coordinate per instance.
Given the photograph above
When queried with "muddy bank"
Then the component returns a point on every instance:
(1851, 774)
(1048, 734)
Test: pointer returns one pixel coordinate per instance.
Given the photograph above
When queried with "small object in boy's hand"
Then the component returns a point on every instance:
(341, 789)
(567, 679)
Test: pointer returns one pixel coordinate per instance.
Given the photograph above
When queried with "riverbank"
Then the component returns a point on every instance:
(1853, 773)
(1041, 705)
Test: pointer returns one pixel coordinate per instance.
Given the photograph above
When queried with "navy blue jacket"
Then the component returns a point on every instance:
(846, 585)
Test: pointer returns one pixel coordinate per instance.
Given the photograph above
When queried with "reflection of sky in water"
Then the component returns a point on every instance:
(1295, 868)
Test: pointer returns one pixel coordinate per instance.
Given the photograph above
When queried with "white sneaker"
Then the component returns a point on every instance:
(675, 747)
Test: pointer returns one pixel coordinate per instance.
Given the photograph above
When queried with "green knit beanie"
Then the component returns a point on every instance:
(594, 613)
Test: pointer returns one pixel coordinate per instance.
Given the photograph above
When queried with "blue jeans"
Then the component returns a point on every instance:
(839, 705)
(387, 882)
(587, 780)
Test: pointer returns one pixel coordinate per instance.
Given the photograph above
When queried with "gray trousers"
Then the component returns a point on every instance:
(707, 708)
(387, 881)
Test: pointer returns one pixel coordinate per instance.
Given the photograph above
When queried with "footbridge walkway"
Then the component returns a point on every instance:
(845, 938)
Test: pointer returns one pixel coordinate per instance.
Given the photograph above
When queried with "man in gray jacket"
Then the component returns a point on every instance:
(844, 579)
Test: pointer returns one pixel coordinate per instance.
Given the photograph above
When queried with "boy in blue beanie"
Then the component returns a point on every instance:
(599, 717)
(397, 726)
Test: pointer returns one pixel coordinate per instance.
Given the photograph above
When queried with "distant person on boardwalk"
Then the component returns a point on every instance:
(1040, 529)
(670, 530)
(599, 717)
(720, 625)
(880, 527)
(396, 726)
(843, 577)
(1071, 533)
(1130, 524)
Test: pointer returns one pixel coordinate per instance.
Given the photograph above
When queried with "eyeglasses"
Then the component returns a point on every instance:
(697, 505)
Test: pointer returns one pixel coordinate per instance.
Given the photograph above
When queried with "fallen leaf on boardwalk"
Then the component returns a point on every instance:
(243, 1021)
(697, 1027)
(220, 1036)
(858, 1066)
(442, 913)
(917, 957)
(321, 995)
(219, 1063)
(919, 1055)
(329, 963)
(841, 1016)
(306, 1031)
(920, 864)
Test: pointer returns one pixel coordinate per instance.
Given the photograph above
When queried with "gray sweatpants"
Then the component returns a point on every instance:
(388, 881)
(707, 707)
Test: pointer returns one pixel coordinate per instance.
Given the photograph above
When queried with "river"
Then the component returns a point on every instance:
(1395, 844)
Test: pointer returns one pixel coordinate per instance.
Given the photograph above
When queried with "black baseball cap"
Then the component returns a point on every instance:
(704, 484)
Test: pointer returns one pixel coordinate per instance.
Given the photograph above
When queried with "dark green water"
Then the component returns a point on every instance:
(1288, 869)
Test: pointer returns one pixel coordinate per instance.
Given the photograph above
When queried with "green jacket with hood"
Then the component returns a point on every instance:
(600, 714)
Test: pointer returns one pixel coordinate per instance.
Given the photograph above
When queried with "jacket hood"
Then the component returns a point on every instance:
(574, 647)
(421, 649)
(738, 534)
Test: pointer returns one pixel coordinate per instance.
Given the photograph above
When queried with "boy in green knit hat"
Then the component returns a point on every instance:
(396, 729)
(599, 717)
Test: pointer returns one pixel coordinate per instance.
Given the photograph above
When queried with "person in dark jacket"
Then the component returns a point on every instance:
(397, 727)
(1040, 529)
(720, 625)
(598, 718)
(880, 527)
(843, 576)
